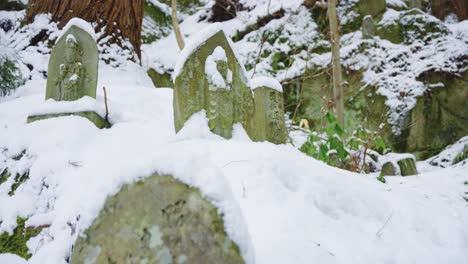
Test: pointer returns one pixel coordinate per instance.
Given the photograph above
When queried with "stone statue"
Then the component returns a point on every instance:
(73, 66)
(73, 72)
(368, 27)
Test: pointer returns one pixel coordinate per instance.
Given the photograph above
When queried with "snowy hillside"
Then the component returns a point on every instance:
(278, 204)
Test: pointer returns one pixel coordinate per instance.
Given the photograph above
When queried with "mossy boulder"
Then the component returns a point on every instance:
(95, 118)
(388, 169)
(371, 7)
(157, 220)
(160, 79)
(407, 167)
(440, 116)
(411, 25)
(399, 164)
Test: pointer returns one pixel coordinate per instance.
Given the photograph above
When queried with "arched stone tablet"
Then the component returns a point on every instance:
(73, 66)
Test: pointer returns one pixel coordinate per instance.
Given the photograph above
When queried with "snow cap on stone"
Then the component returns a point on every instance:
(263, 81)
(80, 23)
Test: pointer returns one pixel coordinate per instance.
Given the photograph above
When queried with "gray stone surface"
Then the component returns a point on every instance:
(157, 220)
(73, 67)
(269, 124)
(368, 27)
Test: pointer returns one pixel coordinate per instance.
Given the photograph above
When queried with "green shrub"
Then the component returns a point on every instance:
(16, 243)
(10, 76)
(463, 155)
(331, 147)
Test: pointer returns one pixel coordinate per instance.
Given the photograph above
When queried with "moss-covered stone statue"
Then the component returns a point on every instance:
(73, 71)
(172, 223)
(73, 67)
(210, 77)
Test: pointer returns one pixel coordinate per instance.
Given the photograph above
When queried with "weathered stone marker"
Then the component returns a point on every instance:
(73, 67)
(269, 123)
(368, 27)
(172, 223)
(211, 78)
(73, 72)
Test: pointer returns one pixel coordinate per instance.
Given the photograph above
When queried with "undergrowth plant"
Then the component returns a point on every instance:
(10, 76)
(351, 153)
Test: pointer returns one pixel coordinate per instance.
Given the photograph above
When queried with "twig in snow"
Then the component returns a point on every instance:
(106, 117)
(379, 233)
(75, 163)
(225, 165)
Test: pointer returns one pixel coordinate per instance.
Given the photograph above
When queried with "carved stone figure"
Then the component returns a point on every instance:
(73, 67)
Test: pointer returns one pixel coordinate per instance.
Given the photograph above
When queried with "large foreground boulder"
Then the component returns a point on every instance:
(157, 220)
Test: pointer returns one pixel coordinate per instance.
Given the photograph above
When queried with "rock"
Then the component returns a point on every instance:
(440, 116)
(410, 25)
(73, 66)
(160, 80)
(371, 7)
(389, 169)
(407, 167)
(268, 122)
(398, 164)
(192, 88)
(368, 27)
(212, 79)
(172, 223)
(414, 4)
(96, 119)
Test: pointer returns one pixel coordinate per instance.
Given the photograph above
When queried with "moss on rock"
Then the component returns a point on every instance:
(172, 223)
(96, 119)
(160, 80)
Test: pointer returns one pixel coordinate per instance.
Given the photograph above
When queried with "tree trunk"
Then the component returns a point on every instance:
(336, 63)
(441, 8)
(175, 25)
(120, 19)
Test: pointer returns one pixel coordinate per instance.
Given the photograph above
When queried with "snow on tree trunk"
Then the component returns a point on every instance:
(118, 19)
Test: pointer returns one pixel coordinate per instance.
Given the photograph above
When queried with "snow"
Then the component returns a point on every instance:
(8, 258)
(80, 23)
(211, 70)
(265, 82)
(279, 205)
(193, 43)
(396, 3)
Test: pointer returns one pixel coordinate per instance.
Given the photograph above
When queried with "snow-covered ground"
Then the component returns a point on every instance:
(279, 205)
